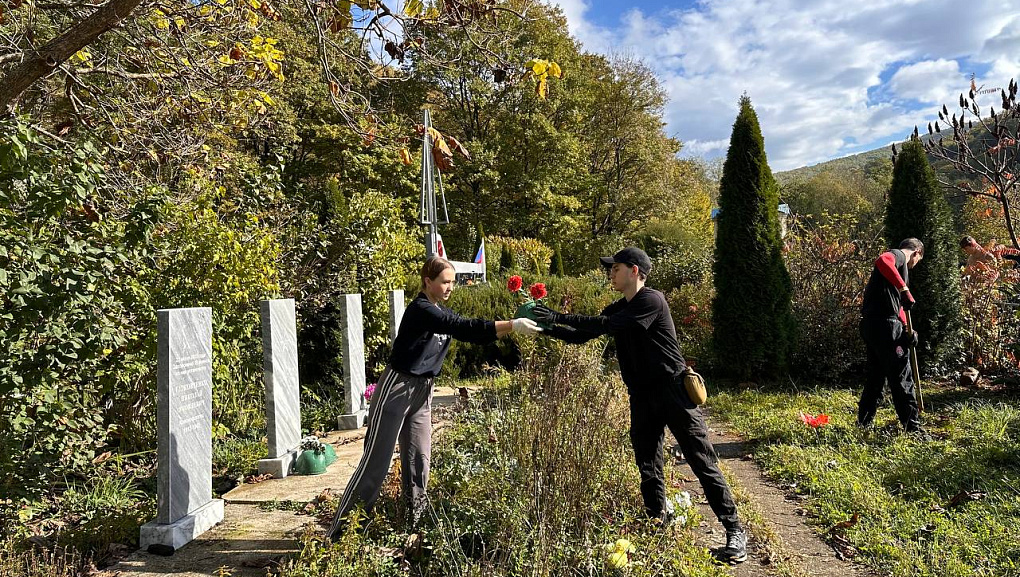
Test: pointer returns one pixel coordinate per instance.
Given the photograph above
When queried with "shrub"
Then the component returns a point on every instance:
(830, 264)
(556, 268)
(691, 307)
(581, 295)
(991, 331)
(529, 255)
(69, 308)
(506, 259)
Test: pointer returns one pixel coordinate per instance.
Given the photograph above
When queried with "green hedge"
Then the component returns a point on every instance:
(583, 295)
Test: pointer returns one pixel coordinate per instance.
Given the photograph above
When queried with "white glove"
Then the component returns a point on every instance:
(525, 326)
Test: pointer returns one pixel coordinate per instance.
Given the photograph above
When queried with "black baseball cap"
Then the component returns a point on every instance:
(632, 256)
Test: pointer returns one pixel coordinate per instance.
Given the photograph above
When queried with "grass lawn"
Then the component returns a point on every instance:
(905, 506)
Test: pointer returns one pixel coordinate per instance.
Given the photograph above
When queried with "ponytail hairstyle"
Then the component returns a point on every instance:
(433, 267)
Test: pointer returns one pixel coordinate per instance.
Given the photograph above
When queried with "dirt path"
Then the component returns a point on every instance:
(263, 521)
(782, 543)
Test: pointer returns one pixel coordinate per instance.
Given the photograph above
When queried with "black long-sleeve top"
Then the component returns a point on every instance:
(645, 337)
(424, 336)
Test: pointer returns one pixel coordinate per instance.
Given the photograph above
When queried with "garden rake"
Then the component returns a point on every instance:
(913, 365)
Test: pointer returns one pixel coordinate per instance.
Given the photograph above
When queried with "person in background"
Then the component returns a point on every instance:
(981, 261)
(402, 402)
(887, 342)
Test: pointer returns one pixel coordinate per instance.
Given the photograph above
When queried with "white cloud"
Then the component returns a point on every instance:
(813, 68)
(929, 81)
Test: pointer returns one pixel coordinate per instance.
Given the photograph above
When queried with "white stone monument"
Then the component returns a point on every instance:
(353, 351)
(185, 507)
(280, 374)
(396, 298)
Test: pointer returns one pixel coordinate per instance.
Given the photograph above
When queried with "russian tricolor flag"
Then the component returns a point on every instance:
(480, 257)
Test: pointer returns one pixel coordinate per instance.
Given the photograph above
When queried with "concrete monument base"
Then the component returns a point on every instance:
(351, 421)
(183, 530)
(279, 467)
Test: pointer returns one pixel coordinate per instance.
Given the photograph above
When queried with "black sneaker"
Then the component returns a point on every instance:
(735, 550)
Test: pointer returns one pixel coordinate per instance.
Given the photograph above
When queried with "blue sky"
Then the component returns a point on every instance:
(827, 78)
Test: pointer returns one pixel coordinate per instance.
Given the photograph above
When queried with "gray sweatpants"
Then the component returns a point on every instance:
(401, 409)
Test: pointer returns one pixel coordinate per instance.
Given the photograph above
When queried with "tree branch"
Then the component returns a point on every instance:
(126, 75)
(41, 63)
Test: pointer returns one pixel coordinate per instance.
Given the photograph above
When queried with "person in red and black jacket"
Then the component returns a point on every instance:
(883, 327)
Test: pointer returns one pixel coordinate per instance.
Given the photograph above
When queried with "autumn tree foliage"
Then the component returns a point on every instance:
(751, 313)
(985, 146)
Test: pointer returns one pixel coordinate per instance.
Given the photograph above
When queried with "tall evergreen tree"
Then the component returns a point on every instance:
(751, 313)
(918, 208)
(506, 259)
(556, 266)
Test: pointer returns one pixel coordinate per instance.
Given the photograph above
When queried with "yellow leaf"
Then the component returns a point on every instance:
(255, 4)
(179, 22)
(268, 100)
(256, 40)
(539, 67)
(554, 70)
(405, 156)
(435, 135)
(432, 13)
(541, 88)
(413, 8)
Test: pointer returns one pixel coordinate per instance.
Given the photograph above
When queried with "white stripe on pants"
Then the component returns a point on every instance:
(401, 409)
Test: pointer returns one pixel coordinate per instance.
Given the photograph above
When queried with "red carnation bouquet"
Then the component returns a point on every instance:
(532, 296)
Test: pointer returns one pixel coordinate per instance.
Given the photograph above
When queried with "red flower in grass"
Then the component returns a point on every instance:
(814, 422)
(514, 284)
(538, 291)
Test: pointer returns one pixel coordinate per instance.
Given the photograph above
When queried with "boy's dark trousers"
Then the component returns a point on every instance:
(668, 406)
(887, 361)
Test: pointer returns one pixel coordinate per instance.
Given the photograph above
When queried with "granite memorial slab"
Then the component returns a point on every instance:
(185, 507)
(280, 376)
(353, 351)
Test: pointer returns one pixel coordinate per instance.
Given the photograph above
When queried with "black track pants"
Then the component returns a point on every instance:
(669, 407)
(887, 361)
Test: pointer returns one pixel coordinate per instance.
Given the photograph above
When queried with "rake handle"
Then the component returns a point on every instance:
(913, 366)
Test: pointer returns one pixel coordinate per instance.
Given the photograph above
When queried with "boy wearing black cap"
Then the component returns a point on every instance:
(652, 368)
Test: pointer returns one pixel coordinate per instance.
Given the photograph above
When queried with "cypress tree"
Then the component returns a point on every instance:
(751, 313)
(506, 259)
(917, 208)
(556, 266)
